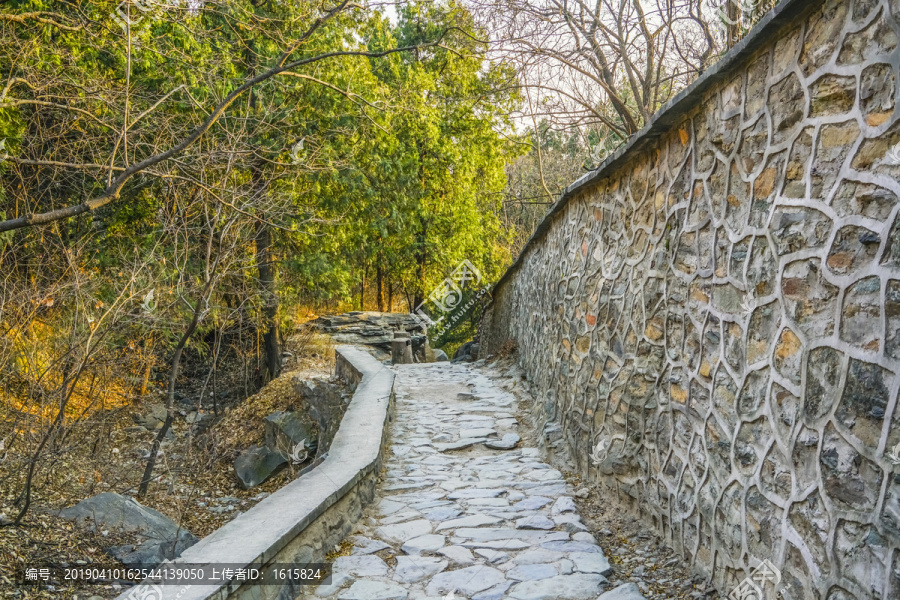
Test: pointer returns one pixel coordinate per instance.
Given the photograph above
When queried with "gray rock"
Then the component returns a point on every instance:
(402, 532)
(563, 504)
(468, 581)
(364, 565)
(492, 556)
(499, 544)
(424, 543)
(562, 587)
(285, 431)
(460, 444)
(367, 589)
(443, 513)
(591, 562)
(153, 419)
(535, 522)
(495, 593)
(364, 545)
(475, 493)
(440, 355)
(256, 464)
(457, 555)
(532, 503)
(411, 569)
(388, 507)
(469, 521)
(532, 572)
(507, 442)
(161, 537)
(626, 591)
(571, 523)
(571, 547)
(533, 557)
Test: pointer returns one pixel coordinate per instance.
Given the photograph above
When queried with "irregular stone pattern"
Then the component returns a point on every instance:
(477, 522)
(721, 311)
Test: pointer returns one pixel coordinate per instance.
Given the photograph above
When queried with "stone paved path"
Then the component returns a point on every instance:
(462, 513)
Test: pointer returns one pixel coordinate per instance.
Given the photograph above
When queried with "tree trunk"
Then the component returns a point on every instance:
(271, 366)
(390, 296)
(421, 261)
(170, 399)
(379, 287)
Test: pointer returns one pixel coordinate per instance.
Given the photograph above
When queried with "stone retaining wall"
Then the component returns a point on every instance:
(303, 521)
(718, 308)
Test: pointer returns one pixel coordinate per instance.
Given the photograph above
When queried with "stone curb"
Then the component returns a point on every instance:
(302, 521)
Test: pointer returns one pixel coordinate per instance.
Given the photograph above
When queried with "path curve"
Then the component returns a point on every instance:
(465, 511)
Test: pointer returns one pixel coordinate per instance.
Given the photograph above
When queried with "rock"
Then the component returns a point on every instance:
(162, 538)
(583, 493)
(443, 513)
(440, 355)
(591, 562)
(468, 521)
(535, 522)
(367, 589)
(508, 442)
(325, 404)
(626, 591)
(364, 545)
(285, 431)
(424, 543)
(571, 523)
(532, 572)
(153, 419)
(402, 532)
(256, 464)
(562, 587)
(571, 547)
(461, 444)
(457, 555)
(492, 556)
(495, 593)
(468, 581)
(563, 504)
(411, 569)
(476, 432)
(532, 503)
(363, 565)
(468, 352)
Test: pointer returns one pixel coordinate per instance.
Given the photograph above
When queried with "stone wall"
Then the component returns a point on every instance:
(719, 306)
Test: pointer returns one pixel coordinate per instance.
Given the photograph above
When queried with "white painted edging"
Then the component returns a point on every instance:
(255, 537)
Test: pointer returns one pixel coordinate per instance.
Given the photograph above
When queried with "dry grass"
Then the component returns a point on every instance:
(105, 452)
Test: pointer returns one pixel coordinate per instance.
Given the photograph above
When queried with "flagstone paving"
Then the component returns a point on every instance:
(465, 510)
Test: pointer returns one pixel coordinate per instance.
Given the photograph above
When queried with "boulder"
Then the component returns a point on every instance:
(160, 538)
(286, 430)
(440, 356)
(153, 419)
(256, 464)
(324, 402)
(468, 352)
